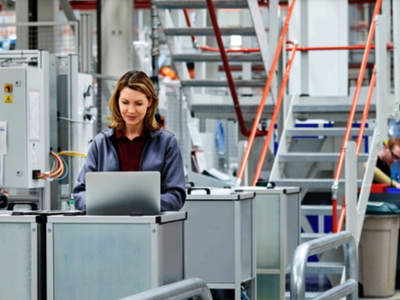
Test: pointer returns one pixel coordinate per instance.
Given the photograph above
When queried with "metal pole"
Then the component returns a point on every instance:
(98, 68)
(351, 188)
(382, 92)
(396, 54)
(304, 89)
(86, 44)
(155, 46)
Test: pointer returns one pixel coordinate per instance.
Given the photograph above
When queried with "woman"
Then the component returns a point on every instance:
(135, 142)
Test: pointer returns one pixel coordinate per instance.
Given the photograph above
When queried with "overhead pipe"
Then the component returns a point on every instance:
(359, 139)
(265, 94)
(274, 116)
(229, 77)
(335, 186)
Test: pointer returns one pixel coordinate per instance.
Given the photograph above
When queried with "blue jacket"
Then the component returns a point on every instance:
(160, 153)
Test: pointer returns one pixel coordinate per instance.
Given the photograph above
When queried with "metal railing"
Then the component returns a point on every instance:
(274, 116)
(335, 186)
(181, 290)
(265, 94)
(298, 276)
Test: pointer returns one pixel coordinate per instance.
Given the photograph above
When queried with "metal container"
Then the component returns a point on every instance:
(112, 257)
(21, 253)
(277, 220)
(220, 241)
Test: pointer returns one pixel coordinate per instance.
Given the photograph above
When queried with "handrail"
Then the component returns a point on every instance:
(339, 168)
(264, 96)
(181, 290)
(359, 139)
(299, 266)
(353, 47)
(325, 48)
(228, 73)
(274, 116)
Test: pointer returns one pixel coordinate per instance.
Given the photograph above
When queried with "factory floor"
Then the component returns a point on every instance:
(395, 296)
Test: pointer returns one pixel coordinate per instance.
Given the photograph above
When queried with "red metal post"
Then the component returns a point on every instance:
(228, 73)
(274, 117)
(265, 94)
(351, 117)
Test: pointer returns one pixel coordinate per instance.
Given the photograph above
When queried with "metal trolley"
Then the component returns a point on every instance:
(277, 220)
(112, 257)
(220, 241)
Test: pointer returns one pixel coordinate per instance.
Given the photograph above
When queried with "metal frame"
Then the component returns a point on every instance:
(35, 260)
(86, 43)
(38, 24)
(349, 288)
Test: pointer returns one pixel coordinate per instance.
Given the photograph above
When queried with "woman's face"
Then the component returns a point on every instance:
(133, 106)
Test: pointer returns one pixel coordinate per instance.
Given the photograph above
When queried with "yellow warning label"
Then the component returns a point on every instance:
(8, 99)
(8, 88)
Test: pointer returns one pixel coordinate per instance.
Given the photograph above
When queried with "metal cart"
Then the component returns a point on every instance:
(277, 220)
(112, 257)
(220, 241)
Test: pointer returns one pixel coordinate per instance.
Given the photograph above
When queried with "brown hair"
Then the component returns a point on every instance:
(393, 142)
(138, 81)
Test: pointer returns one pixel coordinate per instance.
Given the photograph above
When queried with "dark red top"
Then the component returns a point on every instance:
(130, 151)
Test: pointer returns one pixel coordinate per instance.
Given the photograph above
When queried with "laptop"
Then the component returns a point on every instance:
(123, 193)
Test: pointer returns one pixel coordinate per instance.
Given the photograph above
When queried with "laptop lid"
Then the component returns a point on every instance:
(123, 193)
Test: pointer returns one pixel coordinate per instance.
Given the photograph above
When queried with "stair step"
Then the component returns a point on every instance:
(216, 57)
(309, 295)
(199, 4)
(318, 210)
(311, 183)
(227, 111)
(316, 157)
(221, 83)
(338, 131)
(324, 108)
(305, 237)
(209, 31)
(325, 268)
